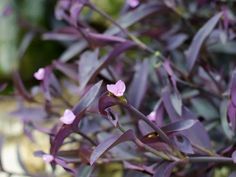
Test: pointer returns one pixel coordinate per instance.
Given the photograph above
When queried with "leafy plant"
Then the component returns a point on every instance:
(154, 91)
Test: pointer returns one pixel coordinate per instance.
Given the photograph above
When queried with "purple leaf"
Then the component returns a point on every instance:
(234, 156)
(233, 88)
(176, 41)
(141, 168)
(200, 138)
(166, 97)
(164, 169)
(73, 50)
(132, 17)
(69, 70)
(138, 85)
(144, 128)
(78, 110)
(118, 49)
(64, 165)
(87, 64)
(106, 101)
(87, 99)
(232, 115)
(21, 88)
(100, 40)
(202, 34)
(179, 125)
(183, 144)
(110, 143)
(112, 116)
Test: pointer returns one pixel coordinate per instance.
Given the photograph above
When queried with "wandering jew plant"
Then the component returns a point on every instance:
(152, 90)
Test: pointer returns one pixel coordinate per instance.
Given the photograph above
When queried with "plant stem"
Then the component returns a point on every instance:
(140, 115)
(210, 159)
(146, 147)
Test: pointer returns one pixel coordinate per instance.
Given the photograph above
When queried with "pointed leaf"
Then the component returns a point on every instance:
(138, 85)
(110, 143)
(179, 125)
(88, 98)
(202, 34)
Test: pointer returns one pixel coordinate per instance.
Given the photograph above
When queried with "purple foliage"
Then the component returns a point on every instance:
(155, 60)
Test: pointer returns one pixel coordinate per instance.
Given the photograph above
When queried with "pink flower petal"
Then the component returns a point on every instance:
(152, 116)
(48, 158)
(133, 3)
(117, 89)
(68, 117)
(39, 75)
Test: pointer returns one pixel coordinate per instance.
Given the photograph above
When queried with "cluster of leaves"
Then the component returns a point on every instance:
(176, 59)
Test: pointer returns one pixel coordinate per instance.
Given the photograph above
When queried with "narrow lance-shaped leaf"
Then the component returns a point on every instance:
(87, 99)
(202, 34)
(166, 97)
(78, 110)
(110, 143)
(138, 86)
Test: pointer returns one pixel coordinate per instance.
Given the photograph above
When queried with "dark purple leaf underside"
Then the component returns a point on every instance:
(58, 140)
(78, 110)
(106, 101)
(138, 85)
(199, 38)
(87, 99)
(110, 143)
(164, 169)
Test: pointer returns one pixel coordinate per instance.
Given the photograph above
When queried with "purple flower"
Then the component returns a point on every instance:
(152, 116)
(117, 89)
(47, 158)
(68, 117)
(39, 75)
(133, 3)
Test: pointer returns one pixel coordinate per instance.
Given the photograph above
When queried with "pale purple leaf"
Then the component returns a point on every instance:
(199, 38)
(138, 85)
(110, 143)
